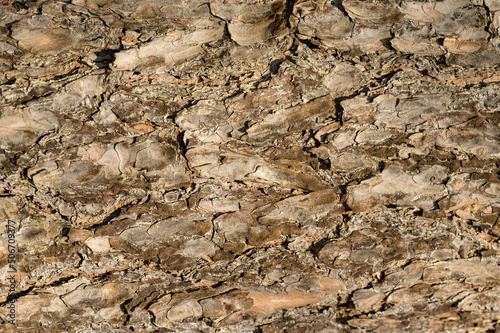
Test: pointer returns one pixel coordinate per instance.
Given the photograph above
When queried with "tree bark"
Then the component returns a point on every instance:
(250, 166)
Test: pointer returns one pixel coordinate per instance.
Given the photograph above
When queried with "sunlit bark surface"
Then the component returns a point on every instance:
(250, 166)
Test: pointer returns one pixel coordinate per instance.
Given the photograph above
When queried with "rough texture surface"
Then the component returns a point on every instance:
(251, 166)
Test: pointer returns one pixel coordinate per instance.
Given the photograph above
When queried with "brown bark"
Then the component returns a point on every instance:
(250, 166)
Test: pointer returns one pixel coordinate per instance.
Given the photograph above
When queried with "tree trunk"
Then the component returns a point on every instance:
(250, 166)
